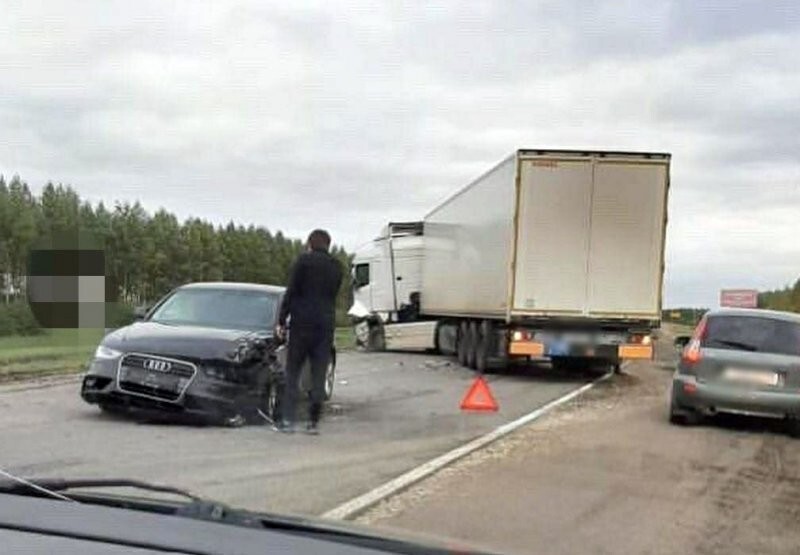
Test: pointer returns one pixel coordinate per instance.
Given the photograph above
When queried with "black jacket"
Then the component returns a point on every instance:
(310, 297)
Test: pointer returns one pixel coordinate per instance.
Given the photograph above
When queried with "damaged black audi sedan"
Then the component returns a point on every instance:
(205, 350)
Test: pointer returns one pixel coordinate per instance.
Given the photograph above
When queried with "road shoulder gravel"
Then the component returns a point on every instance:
(608, 474)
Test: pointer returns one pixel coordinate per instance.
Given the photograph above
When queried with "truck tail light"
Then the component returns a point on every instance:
(523, 343)
(641, 339)
(693, 353)
(521, 335)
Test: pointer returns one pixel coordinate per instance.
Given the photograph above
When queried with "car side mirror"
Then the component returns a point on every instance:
(140, 312)
(681, 341)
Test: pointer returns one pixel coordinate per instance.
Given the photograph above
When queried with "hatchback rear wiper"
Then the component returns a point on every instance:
(735, 344)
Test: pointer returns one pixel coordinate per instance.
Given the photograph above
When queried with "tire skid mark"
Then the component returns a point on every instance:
(784, 512)
(743, 496)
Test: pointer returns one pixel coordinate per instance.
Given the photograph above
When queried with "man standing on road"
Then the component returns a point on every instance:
(310, 305)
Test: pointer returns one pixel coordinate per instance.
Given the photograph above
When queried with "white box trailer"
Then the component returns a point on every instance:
(550, 253)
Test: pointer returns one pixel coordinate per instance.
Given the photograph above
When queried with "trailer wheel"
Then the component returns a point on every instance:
(472, 344)
(437, 349)
(483, 346)
(462, 343)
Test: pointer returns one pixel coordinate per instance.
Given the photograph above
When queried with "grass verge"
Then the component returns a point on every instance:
(344, 339)
(65, 351)
(56, 351)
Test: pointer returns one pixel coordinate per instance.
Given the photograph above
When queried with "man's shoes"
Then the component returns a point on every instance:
(284, 427)
(235, 421)
(312, 428)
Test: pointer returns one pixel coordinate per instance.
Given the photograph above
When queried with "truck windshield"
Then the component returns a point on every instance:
(750, 333)
(219, 308)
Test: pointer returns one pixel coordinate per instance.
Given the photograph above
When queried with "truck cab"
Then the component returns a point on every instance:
(387, 279)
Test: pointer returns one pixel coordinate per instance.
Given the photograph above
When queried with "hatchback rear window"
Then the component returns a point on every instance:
(753, 333)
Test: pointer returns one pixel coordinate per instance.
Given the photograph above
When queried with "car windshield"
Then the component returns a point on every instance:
(752, 333)
(218, 308)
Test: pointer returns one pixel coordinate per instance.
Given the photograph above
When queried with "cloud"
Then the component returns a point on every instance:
(293, 115)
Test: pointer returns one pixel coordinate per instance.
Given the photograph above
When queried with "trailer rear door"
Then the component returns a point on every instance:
(626, 242)
(590, 236)
(552, 235)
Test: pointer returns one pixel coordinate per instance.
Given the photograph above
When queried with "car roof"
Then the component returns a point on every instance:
(235, 286)
(759, 312)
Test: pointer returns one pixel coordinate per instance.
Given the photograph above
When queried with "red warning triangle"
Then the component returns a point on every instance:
(479, 397)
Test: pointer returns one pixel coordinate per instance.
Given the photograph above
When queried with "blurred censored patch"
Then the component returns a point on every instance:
(67, 288)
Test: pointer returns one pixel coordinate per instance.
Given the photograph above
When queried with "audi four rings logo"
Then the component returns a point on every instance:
(157, 365)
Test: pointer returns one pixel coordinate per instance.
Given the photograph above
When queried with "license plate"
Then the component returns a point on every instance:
(751, 377)
(148, 378)
(558, 348)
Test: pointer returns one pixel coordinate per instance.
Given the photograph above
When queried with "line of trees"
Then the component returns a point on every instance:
(787, 298)
(146, 254)
(688, 316)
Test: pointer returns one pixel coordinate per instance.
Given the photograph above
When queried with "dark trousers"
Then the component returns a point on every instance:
(312, 345)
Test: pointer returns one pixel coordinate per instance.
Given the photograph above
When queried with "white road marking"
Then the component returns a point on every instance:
(359, 504)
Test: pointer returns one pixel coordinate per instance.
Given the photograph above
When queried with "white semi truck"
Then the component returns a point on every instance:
(550, 254)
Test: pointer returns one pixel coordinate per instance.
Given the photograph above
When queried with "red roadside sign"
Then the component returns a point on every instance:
(738, 298)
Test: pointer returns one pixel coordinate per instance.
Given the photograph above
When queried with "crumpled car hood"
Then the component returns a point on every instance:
(189, 342)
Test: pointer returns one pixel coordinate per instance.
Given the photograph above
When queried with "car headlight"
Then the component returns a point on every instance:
(106, 353)
(225, 373)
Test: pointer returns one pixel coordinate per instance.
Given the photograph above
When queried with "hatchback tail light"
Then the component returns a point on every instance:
(693, 354)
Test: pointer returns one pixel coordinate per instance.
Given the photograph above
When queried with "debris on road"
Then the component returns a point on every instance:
(436, 364)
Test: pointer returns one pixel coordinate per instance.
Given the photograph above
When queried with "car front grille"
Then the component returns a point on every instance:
(155, 377)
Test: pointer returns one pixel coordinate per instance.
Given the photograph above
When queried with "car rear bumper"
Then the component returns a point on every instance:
(710, 398)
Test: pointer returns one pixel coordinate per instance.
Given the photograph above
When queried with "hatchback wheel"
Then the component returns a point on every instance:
(683, 417)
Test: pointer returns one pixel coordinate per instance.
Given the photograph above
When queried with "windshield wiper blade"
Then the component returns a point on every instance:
(59, 484)
(735, 344)
(21, 485)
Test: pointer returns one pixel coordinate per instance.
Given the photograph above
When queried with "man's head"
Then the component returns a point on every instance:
(319, 240)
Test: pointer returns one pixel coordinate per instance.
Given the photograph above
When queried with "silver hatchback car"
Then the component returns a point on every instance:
(744, 361)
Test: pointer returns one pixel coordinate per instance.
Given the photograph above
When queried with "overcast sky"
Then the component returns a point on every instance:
(293, 114)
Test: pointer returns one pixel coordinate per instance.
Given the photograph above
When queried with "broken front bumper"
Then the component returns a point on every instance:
(202, 396)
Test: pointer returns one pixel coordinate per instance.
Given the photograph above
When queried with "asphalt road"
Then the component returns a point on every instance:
(608, 474)
(390, 413)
